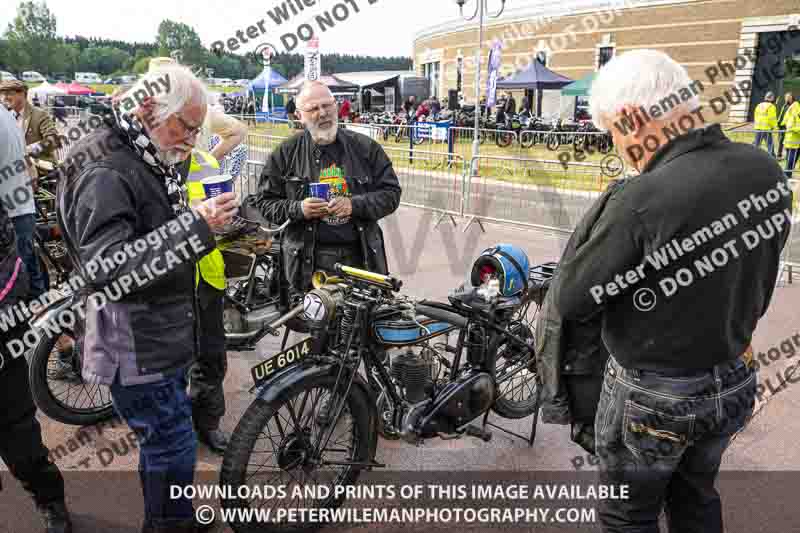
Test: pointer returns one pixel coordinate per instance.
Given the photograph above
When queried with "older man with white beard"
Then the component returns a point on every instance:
(132, 237)
(343, 227)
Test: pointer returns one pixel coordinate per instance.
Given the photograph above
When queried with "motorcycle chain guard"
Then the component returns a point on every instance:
(458, 404)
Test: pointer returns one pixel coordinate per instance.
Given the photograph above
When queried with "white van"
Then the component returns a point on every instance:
(32, 75)
(6, 76)
(88, 77)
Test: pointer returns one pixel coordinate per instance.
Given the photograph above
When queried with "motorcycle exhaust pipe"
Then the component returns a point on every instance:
(272, 326)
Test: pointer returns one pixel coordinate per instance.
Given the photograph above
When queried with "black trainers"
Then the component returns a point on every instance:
(56, 517)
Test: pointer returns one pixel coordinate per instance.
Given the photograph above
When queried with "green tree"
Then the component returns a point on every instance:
(66, 59)
(141, 65)
(33, 34)
(173, 36)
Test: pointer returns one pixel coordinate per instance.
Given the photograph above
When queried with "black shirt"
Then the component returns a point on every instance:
(335, 230)
(291, 107)
(678, 214)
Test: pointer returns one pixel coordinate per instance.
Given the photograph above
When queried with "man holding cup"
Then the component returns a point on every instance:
(334, 185)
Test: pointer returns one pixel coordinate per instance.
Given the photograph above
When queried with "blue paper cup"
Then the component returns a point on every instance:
(320, 190)
(216, 185)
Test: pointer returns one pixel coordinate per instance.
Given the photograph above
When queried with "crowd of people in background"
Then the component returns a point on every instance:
(768, 119)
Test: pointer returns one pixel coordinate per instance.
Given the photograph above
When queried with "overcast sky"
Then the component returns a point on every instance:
(386, 27)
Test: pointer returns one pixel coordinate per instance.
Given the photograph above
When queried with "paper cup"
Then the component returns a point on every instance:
(320, 190)
(216, 185)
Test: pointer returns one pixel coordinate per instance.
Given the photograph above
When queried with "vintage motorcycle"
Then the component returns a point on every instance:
(257, 303)
(317, 413)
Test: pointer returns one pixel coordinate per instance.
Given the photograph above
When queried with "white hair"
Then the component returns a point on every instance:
(184, 87)
(643, 78)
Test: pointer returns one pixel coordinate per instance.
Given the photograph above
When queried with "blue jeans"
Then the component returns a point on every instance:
(760, 136)
(792, 155)
(24, 227)
(664, 436)
(160, 414)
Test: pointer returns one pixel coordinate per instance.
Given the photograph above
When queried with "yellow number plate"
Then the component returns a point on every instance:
(262, 371)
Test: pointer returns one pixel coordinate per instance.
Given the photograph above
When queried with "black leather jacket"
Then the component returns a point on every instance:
(284, 183)
(569, 347)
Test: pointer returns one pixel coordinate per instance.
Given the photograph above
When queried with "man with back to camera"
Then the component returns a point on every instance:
(364, 189)
(680, 380)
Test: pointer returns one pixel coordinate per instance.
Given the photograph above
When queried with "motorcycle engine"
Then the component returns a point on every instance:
(414, 372)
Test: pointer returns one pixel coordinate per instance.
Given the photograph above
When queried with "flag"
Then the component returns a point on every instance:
(312, 60)
(494, 69)
(266, 75)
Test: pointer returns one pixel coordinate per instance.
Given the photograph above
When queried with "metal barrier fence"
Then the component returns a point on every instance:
(430, 180)
(554, 198)
(790, 258)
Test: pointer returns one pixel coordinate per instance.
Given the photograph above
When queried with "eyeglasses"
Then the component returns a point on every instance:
(315, 110)
(191, 131)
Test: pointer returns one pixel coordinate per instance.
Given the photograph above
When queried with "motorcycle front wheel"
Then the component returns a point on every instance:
(58, 388)
(274, 442)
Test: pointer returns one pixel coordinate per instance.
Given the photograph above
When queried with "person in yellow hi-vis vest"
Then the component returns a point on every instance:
(766, 121)
(788, 107)
(208, 371)
(792, 140)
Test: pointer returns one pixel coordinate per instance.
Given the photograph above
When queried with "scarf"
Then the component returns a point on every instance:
(134, 135)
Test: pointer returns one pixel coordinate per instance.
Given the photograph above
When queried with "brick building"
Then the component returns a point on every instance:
(723, 43)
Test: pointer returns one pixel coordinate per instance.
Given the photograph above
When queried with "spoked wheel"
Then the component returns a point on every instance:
(527, 138)
(58, 388)
(504, 139)
(517, 394)
(294, 442)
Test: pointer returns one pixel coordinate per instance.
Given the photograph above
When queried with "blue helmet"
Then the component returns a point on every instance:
(508, 263)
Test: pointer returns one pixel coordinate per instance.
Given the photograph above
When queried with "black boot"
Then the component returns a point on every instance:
(215, 439)
(56, 517)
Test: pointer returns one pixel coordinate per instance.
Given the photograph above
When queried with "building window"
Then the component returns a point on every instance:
(541, 57)
(604, 55)
(431, 72)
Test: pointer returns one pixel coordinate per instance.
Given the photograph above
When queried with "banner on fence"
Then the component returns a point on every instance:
(312, 60)
(494, 69)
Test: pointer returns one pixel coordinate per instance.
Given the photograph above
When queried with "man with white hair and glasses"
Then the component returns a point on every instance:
(131, 234)
(679, 382)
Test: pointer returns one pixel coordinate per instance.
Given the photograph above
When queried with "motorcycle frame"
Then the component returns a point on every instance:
(346, 366)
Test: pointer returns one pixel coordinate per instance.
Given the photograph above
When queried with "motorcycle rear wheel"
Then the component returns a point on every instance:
(295, 437)
(518, 394)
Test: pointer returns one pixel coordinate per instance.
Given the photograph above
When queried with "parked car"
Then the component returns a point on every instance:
(88, 77)
(242, 83)
(6, 76)
(32, 76)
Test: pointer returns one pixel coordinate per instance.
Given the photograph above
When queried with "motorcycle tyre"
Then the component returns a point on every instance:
(242, 441)
(42, 396)
(513, 410)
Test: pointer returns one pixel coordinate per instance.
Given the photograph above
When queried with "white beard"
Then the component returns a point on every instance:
(324, 136)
